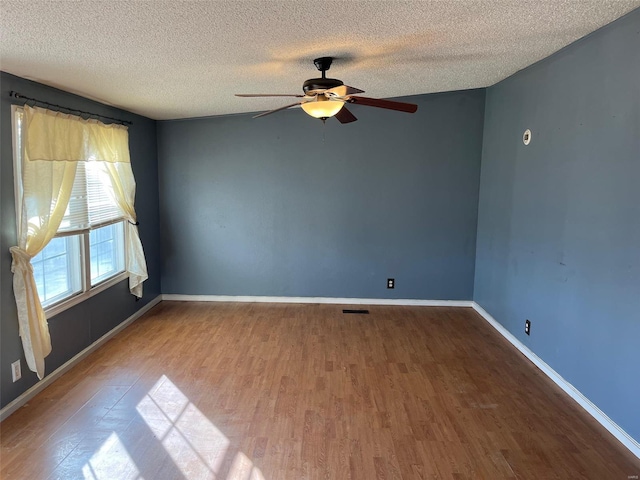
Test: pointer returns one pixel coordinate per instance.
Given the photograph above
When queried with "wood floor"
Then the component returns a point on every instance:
(258, 391)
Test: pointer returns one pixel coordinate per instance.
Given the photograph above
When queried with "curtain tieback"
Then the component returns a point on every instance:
(21, 260)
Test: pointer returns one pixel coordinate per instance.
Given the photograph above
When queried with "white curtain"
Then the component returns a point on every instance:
(52, 144)
(123, 189)
(46, 190)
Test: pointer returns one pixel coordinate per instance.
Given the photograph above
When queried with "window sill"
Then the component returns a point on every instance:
(60, 307)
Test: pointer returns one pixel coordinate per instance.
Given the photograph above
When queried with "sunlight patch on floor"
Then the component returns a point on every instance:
(111, 461)
(192, 441)
(243, 469)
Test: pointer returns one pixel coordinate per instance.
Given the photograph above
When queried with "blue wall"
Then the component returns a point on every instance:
(285, 206)
(80, 326)
(559, 220)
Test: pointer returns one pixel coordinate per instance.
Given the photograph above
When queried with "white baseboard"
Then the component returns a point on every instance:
(324, 300)
(613, 428)
(58, 372)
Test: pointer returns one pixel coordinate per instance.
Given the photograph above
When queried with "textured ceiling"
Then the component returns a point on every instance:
(177, 59)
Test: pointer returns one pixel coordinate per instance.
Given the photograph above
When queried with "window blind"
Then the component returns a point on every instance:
(90, 206)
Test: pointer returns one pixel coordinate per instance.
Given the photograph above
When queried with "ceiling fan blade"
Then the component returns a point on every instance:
(345, 116)
(343, 90)
(278, 109)
(353, 90)
(390, 104)
(267, 95)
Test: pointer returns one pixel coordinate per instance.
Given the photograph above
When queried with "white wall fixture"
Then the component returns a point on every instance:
(16, 372)
(526, 137)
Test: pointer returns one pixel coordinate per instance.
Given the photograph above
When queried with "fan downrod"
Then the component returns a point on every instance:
(314, 86)
(323, 64)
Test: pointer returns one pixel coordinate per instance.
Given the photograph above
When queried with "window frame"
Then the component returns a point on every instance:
(87, 290)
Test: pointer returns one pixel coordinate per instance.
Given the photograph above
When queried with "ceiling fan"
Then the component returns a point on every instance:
(326, 97)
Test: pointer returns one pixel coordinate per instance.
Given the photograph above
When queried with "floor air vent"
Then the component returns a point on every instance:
(361, 312)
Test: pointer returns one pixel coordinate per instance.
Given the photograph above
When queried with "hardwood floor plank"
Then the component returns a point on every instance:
(276, 391)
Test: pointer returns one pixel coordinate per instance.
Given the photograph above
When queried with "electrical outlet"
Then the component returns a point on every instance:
(16, 371)
(391, 282)
(527, 327)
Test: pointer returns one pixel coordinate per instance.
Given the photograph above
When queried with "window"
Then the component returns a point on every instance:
(88, 253)
(75, 194)
(107, 252)
(57, 270)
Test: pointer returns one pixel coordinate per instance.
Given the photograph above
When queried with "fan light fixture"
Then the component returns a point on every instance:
(322, 107)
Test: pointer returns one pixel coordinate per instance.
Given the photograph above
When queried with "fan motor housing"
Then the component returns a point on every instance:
(317, 85)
